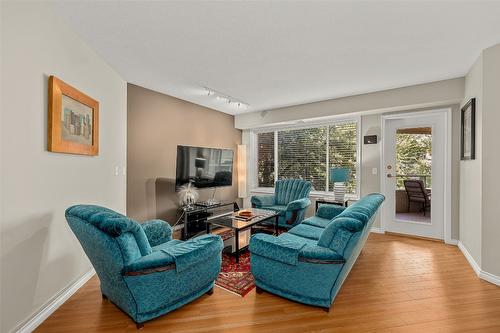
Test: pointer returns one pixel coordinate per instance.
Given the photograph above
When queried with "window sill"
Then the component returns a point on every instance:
(313, 194)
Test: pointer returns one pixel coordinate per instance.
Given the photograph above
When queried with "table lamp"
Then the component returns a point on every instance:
(339, 177)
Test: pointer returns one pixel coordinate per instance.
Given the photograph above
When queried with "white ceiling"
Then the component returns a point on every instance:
(273, 54)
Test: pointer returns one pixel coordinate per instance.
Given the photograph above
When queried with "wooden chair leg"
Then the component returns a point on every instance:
(139, 326)
(258, 290)
(104, 297)
(210, 292)
(326, 309)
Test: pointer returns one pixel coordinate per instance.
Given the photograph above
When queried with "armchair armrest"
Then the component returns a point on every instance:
(298, 204)
(157, 261)
(329, 211)
(157, 231)
(179, 257)
(275, 248)
(262, 200)
(195, 250)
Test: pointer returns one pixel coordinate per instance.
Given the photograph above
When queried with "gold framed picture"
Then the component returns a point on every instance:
(73, 123)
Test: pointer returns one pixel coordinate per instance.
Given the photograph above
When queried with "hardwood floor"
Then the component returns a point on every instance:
(397, 285)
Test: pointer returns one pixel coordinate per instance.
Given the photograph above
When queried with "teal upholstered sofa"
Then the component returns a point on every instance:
(290, 199)
(310, 262)
(141, 268)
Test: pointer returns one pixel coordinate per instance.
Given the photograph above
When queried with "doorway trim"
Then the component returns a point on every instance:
(447, 163)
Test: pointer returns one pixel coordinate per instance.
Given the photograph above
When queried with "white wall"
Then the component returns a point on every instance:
(433, 94)
(442, 94)
(370, 158)
(40, 256)
(479, 181)
(470, 171)
(490, 250)
(1, 156)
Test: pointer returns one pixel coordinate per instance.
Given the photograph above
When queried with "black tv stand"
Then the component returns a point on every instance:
(208, 204)
(196, 217)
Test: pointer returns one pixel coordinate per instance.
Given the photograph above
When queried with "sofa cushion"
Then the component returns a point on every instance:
(329, 211)
(276, 248)
(315, 253)
(298, 239)
(337, 234)
(311, 250)
(317, 221)
(307, 231)
(355, 214)
(364, 208)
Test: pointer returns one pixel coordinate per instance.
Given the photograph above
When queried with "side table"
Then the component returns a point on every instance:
(331, 201)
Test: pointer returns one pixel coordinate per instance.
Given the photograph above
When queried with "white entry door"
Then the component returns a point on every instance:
(414, 173)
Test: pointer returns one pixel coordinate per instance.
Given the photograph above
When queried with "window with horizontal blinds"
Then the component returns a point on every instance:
(265, 159)
(309, 153)
(343, 144)
(302, 154)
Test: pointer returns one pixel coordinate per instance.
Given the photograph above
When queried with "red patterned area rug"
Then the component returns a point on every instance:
(236, 278)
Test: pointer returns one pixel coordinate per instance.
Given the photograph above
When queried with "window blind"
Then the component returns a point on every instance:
(265, 159)
(302, 154)
(343, 143)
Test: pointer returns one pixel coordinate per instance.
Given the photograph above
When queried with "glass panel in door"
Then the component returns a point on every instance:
(413, 174)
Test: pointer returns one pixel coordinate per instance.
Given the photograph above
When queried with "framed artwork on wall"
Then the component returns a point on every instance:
(468, 131)
(73, 122)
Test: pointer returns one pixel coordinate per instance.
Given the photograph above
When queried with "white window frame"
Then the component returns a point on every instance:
(252, 160)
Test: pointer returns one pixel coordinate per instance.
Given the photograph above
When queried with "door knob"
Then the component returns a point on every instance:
(390, 175)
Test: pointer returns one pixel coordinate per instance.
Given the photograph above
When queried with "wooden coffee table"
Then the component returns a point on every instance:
(237, 225)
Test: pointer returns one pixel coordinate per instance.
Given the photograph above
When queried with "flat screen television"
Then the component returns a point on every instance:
(204, 167)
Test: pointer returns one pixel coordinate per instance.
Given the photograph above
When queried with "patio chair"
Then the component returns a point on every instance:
(416, 192)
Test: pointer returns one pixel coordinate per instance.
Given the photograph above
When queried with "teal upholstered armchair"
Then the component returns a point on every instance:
(310, 262)
(142, 270)
(290, 199)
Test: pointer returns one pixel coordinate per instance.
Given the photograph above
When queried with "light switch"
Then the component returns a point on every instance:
(117, 171)
(374, 171)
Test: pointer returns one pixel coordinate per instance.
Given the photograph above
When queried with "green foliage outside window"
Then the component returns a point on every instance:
(303, 153)
(414, 158)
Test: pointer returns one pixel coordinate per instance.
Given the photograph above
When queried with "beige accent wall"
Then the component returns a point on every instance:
(157, 123)
(40, 256)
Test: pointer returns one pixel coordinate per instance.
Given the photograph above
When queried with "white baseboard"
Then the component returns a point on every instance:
(377, 230)
(452, 242)
(45, 311)
(475, 266)
(477, 269)
(490, 278)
